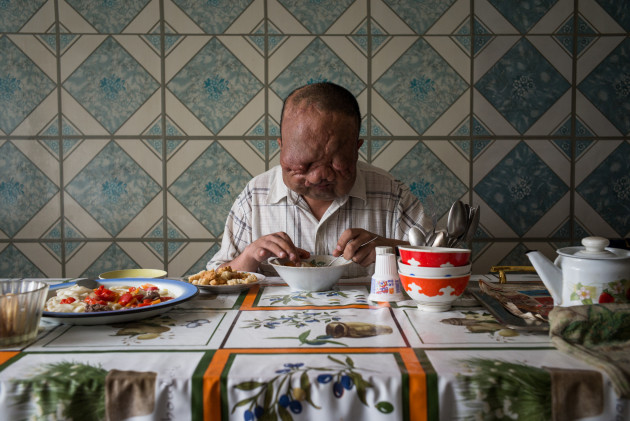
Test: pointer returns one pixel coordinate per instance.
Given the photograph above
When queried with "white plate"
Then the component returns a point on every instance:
(182, 291)
(227, 289)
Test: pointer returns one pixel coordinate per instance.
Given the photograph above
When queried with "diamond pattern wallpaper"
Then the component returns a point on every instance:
(128, 127)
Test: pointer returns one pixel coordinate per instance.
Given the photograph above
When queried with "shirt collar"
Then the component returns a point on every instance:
(359, 190)
(277, 189)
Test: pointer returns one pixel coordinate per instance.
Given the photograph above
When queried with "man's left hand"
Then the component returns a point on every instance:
(358, 245)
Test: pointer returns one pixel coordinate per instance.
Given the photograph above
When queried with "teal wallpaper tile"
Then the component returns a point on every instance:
(25, 190)
(23, 85)
(13, 15)
(111, 85)
(420, 85)
(108, 16)
(113, 188)
(214, 17)
(214, 85)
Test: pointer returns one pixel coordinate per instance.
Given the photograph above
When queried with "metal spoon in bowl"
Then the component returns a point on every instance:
(341, 255)
(429, 218)
(416, 237)
(90, 283)
(474, 223)
(471, 227)
(456, 223)
(440, 239)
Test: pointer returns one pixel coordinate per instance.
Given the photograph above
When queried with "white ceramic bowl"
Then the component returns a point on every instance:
(422, 271)
(320, 277)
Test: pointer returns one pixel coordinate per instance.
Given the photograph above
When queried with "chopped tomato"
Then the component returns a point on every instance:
(68, 300)
(93, 300)
(126, 299)
(134, 297)
(105, 294)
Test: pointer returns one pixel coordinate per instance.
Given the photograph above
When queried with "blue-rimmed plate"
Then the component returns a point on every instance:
(180, 290)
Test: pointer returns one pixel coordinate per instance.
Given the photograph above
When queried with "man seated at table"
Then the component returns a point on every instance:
(320, 199)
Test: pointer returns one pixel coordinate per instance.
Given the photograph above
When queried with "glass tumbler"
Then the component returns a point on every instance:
(21, 306)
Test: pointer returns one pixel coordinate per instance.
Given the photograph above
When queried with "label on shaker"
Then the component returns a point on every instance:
(385, 286)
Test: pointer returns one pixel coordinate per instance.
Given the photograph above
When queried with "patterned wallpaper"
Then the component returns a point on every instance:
(128, 127)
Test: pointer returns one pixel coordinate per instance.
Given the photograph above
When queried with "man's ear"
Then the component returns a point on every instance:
(279, 140)
(359, 144)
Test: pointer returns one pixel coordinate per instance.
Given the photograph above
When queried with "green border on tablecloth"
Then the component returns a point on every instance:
(239, 301)
(404, 381)
(196, 393)
(258, 295)
(433, 395)
(225, 407)
(12, 359)
(219, 325)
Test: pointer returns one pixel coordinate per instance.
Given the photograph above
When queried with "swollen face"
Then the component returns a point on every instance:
(319, 152)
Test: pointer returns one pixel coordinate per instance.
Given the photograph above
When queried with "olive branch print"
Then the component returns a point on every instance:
(304, 339)
(303, 297)
(281, 396)
(297, 319)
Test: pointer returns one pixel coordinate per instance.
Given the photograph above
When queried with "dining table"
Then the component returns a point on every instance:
(270, 353)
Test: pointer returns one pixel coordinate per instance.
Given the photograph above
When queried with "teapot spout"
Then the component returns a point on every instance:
(550, 274)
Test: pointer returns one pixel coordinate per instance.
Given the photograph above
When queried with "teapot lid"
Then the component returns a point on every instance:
(595, 248)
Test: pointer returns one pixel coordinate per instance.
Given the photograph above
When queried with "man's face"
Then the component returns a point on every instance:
(319, 152)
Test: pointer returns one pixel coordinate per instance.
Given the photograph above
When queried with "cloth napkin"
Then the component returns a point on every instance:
(598, 334)
(575, 393)
(129, 394)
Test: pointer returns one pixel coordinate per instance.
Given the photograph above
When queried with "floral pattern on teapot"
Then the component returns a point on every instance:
(613, 292)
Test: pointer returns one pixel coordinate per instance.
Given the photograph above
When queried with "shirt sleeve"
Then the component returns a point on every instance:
(237, 233)
(410, 211)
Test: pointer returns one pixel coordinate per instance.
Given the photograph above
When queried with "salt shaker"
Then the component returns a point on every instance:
(385, 284)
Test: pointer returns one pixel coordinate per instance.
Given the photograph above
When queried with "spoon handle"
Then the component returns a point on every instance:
(474, 223)
(367, 242)
(90, 283)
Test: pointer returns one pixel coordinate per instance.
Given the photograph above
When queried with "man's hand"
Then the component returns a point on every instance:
(278, 244)
(350, 241)
(352, 245)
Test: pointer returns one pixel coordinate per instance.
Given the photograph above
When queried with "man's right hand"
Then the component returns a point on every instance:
(278, 244)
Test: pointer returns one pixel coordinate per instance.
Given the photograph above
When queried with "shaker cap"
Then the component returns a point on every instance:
(384, 250)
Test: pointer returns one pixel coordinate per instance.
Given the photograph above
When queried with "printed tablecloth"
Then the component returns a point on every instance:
(271, 353)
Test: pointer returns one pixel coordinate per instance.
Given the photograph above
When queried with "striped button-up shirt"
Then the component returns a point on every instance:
(377, 203)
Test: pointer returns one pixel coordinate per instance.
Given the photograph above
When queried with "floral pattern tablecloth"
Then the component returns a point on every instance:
(271, 353)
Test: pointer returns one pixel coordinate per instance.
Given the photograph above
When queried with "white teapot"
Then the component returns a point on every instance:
(591, 274)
